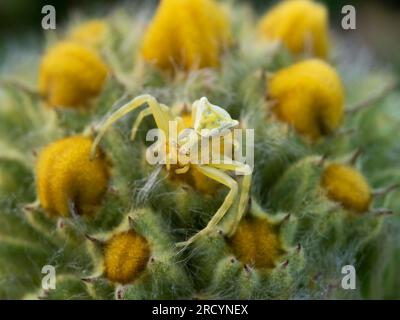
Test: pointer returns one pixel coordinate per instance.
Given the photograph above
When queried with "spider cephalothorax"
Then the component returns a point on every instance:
(205, 145)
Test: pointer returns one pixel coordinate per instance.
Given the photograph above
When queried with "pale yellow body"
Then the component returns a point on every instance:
(193, 177)
(309, 96)
(301, 25)
(67, 180)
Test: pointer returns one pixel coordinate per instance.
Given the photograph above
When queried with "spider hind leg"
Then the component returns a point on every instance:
(225, 179)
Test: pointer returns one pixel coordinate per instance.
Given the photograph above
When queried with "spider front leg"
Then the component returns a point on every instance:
(144, 113)
(159, 113)
(223, 178)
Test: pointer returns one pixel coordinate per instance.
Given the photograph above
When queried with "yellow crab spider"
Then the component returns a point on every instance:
(207, 121)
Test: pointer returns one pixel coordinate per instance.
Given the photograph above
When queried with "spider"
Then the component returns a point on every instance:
(207, 121)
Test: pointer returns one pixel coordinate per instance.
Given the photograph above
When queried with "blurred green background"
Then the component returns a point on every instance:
(378, 21)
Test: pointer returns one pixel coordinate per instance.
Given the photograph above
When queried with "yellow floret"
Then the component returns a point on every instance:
(309, 96)
(257, 243)
(71, 75)
(190, 34)
(125, 256)
(300, 24)
(203, 183)
(196, 180)
(186, 119)
(347, 186)
(67, 179)
(91, 33)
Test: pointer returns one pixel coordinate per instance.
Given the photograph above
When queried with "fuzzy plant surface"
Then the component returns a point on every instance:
(323, 192)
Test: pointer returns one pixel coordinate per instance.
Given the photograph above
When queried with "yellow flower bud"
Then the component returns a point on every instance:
(257, 243)
(190, 34)
(66, 177)
(347, 186)
(91, 33)
(309, 96)
(71, 75)
(299, 24)
(125, 257)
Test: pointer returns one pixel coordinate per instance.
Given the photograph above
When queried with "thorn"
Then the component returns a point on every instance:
(72, 209)
(185, 188)
(321, 162)
(31, 207)
(385, 191)
(119, 293)
(28, 208)
(60, 223)
(249, 204)
(131, 222)
(113, 190)
(94, 240)
(285, 219)
(285, 264)
(374, 98)
(152, 260)
(247, 268)
(382, 212)
(89, 280)
(355, 156)
(185, 109)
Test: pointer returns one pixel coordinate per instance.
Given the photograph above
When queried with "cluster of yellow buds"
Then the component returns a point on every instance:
(189, 35)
